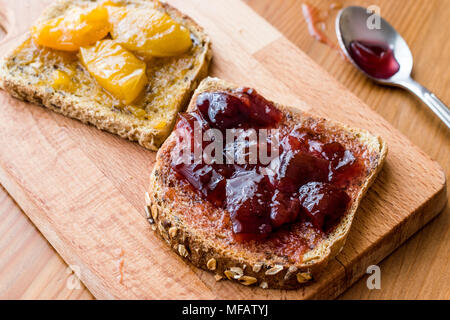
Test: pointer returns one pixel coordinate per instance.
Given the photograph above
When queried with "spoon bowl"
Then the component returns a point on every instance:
(352, 24)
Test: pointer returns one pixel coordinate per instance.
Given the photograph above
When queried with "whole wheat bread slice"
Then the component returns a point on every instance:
(189, 224)
(31, 83)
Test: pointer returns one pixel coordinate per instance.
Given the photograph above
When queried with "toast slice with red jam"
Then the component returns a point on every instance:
(256, 192)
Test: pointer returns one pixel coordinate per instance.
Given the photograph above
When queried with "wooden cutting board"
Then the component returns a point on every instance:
(84, 189)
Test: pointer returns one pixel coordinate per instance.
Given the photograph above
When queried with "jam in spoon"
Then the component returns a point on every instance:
(382, 55)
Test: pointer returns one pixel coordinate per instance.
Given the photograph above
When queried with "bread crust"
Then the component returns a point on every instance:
(165, 215)
(120, 123)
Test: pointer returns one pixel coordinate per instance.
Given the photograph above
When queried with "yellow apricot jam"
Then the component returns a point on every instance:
(148, 32)
(62, 80)
(79, 27)
(45, 60)
(166, 77)
(115, 69)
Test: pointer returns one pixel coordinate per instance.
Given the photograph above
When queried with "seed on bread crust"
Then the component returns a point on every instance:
(148, 201)
(234, 273)
(149, 216)
(154, 210)
(257, 267)
(303, 277)
(264, 285)
(182, 251)
(310, 258)
(290, 272)
(247, 280)
(147, 212)
(237, 271)
(218, 277)
(173, 232)
(229, 274)
(161, 227)
(274, 270)
(163, 232)
(211, 264)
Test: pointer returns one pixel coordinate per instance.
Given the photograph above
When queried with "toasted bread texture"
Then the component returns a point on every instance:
(27, 74)
(193, 228)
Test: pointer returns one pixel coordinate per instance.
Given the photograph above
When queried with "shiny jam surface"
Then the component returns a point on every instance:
(148, 32)
(305, 183)
(376, 59)
(79, 27)
(116, 69)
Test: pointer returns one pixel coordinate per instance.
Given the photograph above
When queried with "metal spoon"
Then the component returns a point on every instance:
(351, 25)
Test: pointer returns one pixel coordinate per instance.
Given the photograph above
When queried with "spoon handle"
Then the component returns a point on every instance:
(436, 105)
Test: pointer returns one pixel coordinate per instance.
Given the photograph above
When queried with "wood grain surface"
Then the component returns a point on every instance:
(30, 268)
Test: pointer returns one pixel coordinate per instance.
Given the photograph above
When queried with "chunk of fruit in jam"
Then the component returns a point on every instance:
(187, 139)
(336, 153)
(244, 108)
(296, 168)
(305, 159)
(343, 163)
(259, 110)
(116, 69)
(323, 203)
(206, 179)
(296, 165)
(61, 80)
(79, 27)
(188, 120)
(148, 32)
(246, 200)
(220, 109)
(284, 208)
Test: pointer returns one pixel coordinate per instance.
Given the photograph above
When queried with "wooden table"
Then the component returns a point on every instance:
(31, 269)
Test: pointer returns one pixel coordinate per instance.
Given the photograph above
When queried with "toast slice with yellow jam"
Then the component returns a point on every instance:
(127, 67)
